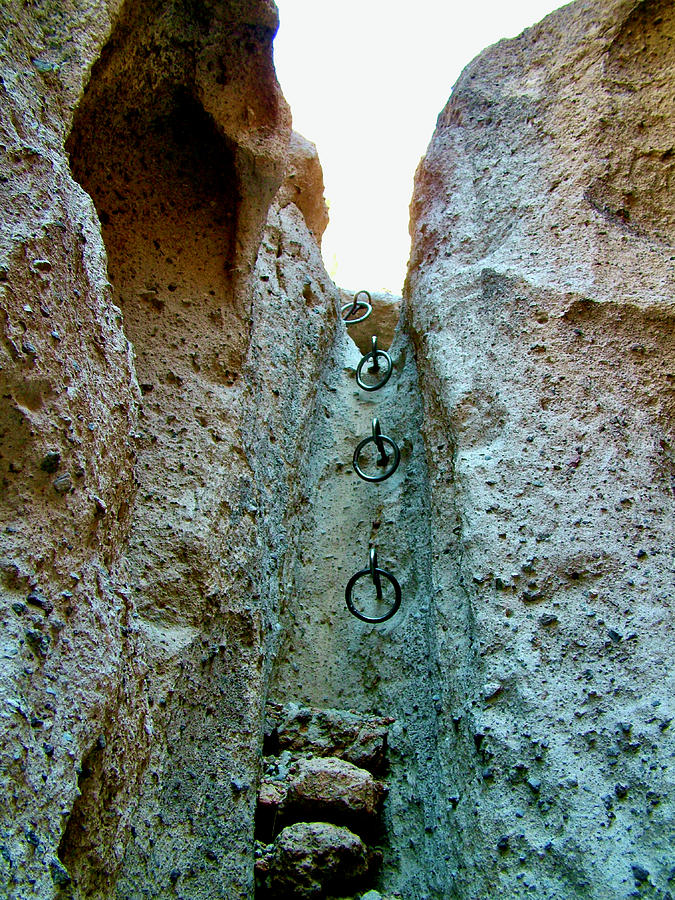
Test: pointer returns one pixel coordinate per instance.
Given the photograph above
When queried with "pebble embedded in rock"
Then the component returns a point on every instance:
(239, 786)
(491, 690)
(35, 598)
(38, 642)
(63, 483)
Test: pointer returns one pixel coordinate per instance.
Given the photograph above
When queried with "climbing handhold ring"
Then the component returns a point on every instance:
(374, 369)
(376, 574)
(355, 306)
(379, 440)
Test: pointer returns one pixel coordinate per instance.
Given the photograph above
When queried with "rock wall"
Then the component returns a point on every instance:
(178, 412)
(540, 302)
(158, 372)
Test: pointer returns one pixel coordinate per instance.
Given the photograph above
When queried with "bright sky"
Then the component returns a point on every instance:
(365, 80)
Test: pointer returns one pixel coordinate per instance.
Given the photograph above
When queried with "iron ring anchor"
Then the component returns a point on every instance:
(379, 440)
(375, 354)
(357, 304)
(376, 574)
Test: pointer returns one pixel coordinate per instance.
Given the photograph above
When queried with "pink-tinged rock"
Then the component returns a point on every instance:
(303, 185)
(271, 794)
(334, 787)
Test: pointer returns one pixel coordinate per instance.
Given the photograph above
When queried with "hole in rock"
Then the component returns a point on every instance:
(163, 180)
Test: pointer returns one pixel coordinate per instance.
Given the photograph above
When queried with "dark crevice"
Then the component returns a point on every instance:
(78, 840)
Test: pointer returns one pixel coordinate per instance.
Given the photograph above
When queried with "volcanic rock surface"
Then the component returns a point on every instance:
(359, 739)
(180, 513)
(540, 302)
(157, 373)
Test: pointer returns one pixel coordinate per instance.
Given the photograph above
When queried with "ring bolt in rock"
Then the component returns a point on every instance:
(375, 369)
(381, 441)
(383, 606)
(353, 308)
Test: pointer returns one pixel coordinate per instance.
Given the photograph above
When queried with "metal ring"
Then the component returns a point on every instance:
(373, 570)
(389, 471)
(357, 304)
(382, 381)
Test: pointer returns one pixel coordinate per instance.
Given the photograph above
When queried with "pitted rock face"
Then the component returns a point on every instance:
(177, 416)
(539, 298)
(146, 456)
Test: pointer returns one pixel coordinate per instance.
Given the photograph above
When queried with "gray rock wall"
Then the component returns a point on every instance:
(540, 303)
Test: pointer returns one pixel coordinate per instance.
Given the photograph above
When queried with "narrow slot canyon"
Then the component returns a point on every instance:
(328, 660)
(190, 710)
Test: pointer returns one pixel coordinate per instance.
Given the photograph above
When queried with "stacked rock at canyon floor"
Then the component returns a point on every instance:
(319, 824)
(540, 301)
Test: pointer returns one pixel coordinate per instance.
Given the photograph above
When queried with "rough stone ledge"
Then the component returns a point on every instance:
(360, 739)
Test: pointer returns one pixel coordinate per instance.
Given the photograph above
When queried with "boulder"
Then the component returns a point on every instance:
(333, 787)
(309, 856)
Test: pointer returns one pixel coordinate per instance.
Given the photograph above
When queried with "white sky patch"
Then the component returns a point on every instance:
(366, 80)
